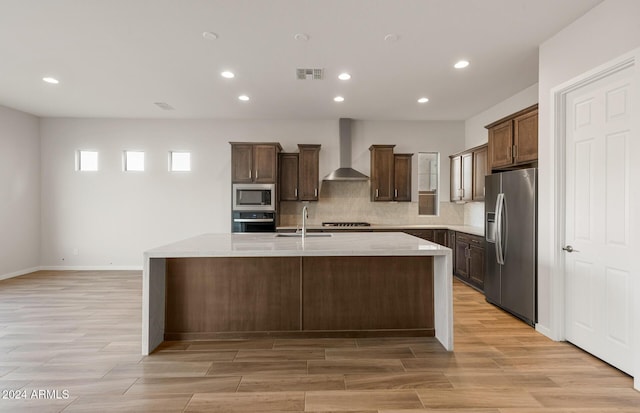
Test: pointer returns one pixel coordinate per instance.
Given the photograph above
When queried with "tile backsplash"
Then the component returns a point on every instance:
(474, 214)
(350, 201)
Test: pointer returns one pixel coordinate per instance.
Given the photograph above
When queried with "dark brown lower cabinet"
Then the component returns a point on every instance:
(426, 234)
(461, 264)
(476, 265)
(440, 236)
(468, 262)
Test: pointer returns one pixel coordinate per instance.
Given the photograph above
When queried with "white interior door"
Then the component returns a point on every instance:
(600, 173)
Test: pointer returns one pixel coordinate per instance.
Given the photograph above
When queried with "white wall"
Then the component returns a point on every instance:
(19, 193)
(476, 134)
(606, 32)
(110, 217)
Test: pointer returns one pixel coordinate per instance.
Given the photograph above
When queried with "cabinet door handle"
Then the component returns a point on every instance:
(256, 174)
(315, 192)
(376, 192)
(296, 192)
(396, 193)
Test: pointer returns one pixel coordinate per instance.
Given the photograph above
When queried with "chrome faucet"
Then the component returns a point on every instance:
(305, 215)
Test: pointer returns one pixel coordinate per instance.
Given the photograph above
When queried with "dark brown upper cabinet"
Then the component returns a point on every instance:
(308, 172)
(402, 176)
(479, 171)
(288, 176)
(299, 174)
(382, 170)
(390, 174)
(254, 162)
(513, 140)
(468, 169)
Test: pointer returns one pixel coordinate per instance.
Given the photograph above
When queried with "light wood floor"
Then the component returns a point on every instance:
(80, 332)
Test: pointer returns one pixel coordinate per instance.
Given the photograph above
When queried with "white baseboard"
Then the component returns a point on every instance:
(72, 268)
(545, 331)
(19, 273)
(93, 268)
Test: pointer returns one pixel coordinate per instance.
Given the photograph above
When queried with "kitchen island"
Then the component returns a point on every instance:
(340, 285)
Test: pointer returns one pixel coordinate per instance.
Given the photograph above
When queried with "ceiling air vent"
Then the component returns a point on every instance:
(310, 74)
(164, 106)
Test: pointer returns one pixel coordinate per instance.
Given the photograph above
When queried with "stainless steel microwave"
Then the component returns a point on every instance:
(254, 197)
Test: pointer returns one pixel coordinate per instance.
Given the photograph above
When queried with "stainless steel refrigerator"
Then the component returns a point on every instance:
(511, 233)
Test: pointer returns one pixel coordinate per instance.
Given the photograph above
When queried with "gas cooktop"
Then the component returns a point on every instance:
(346, 224)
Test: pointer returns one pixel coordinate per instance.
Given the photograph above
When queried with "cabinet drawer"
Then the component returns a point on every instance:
(478, 241)
(470, 238)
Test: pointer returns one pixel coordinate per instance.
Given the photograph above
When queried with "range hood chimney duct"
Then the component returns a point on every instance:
(345, 172)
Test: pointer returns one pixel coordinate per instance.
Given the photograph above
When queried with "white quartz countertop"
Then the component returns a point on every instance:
(269, 244)
(461, 228)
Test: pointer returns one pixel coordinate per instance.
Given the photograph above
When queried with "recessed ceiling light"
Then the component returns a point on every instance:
(209, 35)
(303, 37)
(338, 99)
(391, 37)
(423, 100)
(227, 74)
(51, 80)
(243, 98)
(461, 64)
(344, 76)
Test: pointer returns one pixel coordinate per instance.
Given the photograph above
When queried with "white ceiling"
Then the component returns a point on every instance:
(115, 58)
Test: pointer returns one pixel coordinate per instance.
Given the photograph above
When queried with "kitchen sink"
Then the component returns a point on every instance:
(299, 235)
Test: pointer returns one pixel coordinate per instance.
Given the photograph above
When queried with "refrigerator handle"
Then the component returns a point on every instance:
(499, 229)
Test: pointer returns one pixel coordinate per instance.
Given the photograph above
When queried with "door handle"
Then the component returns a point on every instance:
(569, 248)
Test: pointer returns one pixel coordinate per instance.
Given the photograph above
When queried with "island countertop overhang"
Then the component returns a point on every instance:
(269, 244)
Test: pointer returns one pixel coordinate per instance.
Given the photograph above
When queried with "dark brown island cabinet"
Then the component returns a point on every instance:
(254, 162)
(513, 140)
(299, 175)
(298, 296)
(390, 174)
(468, 170)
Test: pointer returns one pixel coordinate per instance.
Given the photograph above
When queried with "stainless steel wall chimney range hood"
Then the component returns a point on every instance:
(345, 172)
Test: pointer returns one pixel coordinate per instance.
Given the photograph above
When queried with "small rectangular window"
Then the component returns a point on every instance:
(133, 161)
(87, 161)
(180, 161)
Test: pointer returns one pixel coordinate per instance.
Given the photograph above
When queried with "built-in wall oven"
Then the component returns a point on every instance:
(254, 197)
(253, 221)
(254, 208)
